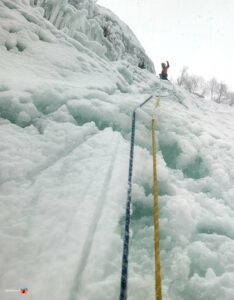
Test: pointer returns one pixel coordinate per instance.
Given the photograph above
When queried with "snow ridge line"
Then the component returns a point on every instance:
(34, 182)
(124, 271)
(61, 155)
(92, 228)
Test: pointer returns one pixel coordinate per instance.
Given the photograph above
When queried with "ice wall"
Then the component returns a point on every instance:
(65, 121)
(96, 28)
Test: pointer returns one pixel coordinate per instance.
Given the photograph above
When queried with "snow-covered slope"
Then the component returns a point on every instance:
(66, 102)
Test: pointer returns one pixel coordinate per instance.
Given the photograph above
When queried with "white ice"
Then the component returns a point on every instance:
(67, 93)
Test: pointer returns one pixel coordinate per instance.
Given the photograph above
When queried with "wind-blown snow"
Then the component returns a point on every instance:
(66, 98)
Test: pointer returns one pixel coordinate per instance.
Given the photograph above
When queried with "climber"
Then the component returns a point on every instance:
(163, 74)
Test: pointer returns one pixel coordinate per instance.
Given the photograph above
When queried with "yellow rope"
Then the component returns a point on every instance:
(156, 215)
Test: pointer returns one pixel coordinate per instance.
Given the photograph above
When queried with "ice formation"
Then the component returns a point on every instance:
(96, 28)
(69, 81)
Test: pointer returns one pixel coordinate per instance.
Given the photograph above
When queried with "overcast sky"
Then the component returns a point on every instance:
(195, 33)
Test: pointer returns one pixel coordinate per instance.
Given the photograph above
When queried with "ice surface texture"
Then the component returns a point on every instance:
(66, 101)
(96, 28)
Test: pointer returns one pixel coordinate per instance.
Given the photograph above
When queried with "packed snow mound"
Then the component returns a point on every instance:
(65, 122)
(96, 28)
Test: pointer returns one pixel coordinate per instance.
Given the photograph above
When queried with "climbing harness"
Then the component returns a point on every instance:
(124, 271)
(158, 288)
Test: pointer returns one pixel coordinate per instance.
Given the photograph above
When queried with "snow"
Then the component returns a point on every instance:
(66, 101)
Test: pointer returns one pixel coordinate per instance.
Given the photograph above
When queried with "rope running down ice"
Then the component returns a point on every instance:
(124, 271)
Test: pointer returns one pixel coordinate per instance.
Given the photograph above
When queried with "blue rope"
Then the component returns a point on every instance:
(124, 272)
